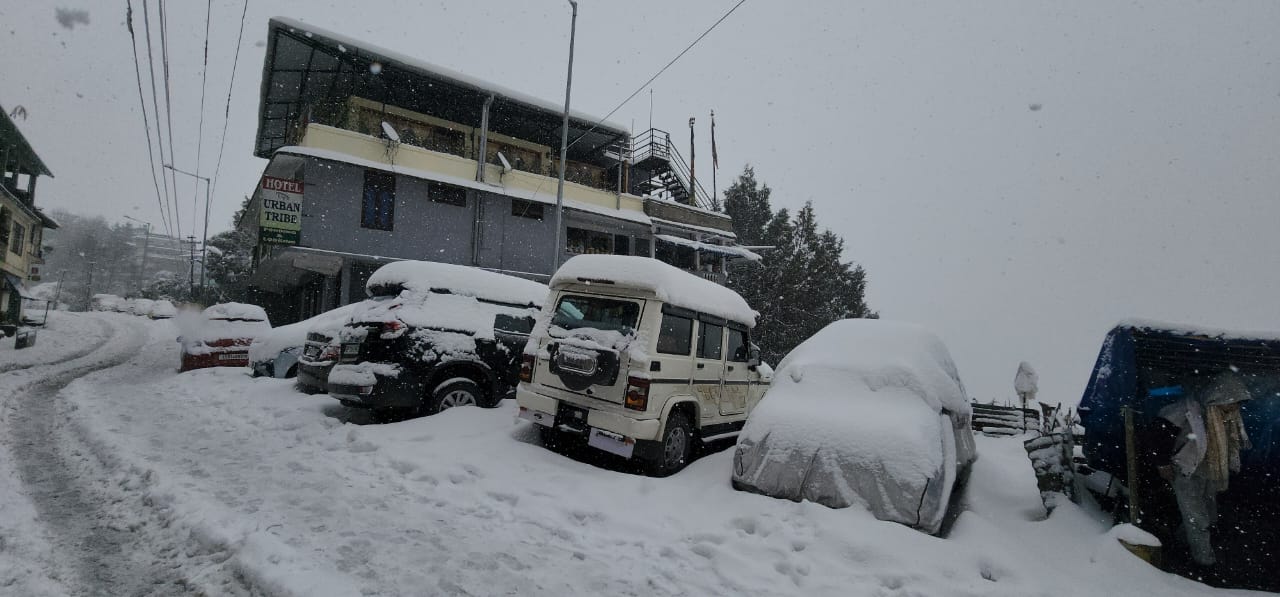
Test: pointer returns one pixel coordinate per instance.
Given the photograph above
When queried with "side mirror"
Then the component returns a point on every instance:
(179, 340)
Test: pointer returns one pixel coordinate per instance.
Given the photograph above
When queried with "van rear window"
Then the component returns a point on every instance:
(577, 311)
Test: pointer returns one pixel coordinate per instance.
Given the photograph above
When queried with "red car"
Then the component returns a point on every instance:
(222, 335)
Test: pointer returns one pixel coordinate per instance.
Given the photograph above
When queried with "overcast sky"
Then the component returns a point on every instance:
(1017, 176)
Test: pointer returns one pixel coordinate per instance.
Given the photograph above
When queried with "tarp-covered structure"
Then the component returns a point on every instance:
(1140, 361)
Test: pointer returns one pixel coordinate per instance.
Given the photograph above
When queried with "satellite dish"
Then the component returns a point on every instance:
(506, 166)
(390, 132)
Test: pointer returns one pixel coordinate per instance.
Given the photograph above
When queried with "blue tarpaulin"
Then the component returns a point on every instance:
(1140, 361)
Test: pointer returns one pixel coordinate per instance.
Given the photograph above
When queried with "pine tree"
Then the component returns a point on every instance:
(802, 283)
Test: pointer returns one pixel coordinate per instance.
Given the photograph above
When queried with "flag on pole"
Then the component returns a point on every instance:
(715, 157)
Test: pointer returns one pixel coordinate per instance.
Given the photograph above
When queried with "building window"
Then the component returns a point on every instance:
(446, 193)
(17, 238)
(579, 241)
(526, 209)
(622, 244)
(377, 210)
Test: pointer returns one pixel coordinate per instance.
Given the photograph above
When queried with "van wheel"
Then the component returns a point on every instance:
(455, 392)
(676, 449)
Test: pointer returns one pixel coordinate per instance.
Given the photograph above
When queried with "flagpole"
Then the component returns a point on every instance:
(715, 162)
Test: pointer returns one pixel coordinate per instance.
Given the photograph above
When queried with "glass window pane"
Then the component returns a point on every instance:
(676, 336)
(710, 340)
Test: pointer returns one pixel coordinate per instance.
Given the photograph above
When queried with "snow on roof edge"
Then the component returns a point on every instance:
(447, 73)
(1197, 330)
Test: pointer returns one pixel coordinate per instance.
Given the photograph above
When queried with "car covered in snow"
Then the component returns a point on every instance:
(220, 336)
(162, 309)
(864, 412)
(277, 352)
(640, 359)
(433, 336)
(105, 302)
(140, 306)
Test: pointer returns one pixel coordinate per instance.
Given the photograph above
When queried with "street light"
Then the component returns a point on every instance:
(205, 239)
(146, 241)
(564, 146)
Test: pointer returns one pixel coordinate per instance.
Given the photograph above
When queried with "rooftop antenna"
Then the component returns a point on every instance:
(650, 108)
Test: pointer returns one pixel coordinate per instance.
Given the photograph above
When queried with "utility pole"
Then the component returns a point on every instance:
(558, 249)
(191, 241)
(88, 288)
(205, 241)
(56, 293)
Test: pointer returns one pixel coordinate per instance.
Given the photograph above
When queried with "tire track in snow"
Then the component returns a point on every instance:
(108, 546)
(104, 331)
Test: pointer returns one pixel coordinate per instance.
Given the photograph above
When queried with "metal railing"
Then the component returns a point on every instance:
(656, 144)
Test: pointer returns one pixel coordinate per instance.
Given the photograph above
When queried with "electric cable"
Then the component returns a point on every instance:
(146, 124)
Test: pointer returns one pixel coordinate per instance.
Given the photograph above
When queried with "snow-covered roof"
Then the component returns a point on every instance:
(236, 311)
(547, 197)
(1197, 330)
(729, 250)
(668, 283)
(882, 354)
(424, 276)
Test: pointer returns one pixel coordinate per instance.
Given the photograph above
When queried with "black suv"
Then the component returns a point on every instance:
(434, 336)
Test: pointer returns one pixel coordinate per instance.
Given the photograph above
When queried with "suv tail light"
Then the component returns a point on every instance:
(392, 329)
(527, 363)
(637, 393)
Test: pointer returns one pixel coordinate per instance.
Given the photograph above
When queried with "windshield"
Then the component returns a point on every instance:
(577, 311)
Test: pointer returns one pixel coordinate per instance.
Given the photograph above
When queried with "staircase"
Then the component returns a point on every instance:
(663, 172)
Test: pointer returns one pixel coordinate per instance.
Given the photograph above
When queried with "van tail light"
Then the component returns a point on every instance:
(526, 367)
(637, 393)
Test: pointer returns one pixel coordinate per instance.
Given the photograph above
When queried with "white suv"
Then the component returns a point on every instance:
(640, 359)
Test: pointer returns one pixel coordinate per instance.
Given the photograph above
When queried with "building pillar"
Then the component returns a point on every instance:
(328, 294)
(484, 138)
(344, 283)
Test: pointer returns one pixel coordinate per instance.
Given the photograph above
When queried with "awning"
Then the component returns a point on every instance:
(16, 283)
(726, 250)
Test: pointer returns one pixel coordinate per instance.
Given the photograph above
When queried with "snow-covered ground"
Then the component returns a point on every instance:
(245, 479)
(66, 335)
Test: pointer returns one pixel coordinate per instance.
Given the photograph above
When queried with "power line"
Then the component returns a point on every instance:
(227, 114)
(168, 110)
(146, 124)
(204, 77)
(657, 74)
(155, 102)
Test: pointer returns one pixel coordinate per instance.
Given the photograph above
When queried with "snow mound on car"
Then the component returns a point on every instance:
(668, 283)
(425, 276)
(242, 311)
(270, 344)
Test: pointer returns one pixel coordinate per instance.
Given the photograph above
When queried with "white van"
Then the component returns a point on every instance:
(641, 360)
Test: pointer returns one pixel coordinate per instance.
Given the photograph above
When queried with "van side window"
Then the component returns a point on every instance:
(512, 324)
(710, 340)
(676, 336)
(736, 347)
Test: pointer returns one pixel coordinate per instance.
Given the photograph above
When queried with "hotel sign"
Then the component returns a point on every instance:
(280, 218)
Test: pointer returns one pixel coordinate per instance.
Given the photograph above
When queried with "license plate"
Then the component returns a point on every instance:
(311, 352)
(350, 349)
(572, 416)
(230, 357)
(611, 443)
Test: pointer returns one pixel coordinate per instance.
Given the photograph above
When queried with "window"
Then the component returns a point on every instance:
(18, 237)
(377, 211)
(576, 312)
(512, 324)
(710, 340)
(526, 209)
(737, 348)
(446, 193)
(579, 241)
(621, 244)
(676, 335)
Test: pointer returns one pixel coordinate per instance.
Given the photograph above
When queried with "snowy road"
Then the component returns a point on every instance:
(212, 482)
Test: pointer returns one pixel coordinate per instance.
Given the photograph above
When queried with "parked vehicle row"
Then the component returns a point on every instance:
(636, 358)
(155, 309)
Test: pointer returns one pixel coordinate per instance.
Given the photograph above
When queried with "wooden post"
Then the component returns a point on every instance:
(1131, 461)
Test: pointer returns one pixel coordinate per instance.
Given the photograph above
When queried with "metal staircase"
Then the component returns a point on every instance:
(662, 172)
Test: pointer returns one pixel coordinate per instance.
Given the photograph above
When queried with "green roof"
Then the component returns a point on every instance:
(10, 136)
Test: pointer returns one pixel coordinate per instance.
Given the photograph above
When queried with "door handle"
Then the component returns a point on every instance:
(729, 367)
(702, 365)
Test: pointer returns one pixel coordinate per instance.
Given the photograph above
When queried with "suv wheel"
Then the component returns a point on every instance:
(455, 392)
(676, 449)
